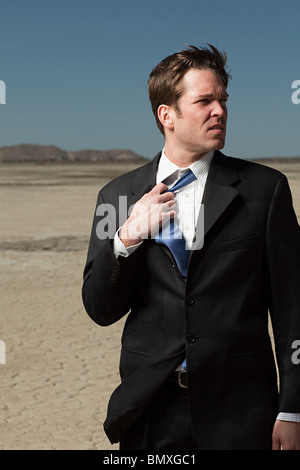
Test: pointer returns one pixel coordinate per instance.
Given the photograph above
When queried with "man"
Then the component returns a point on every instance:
(197, 367)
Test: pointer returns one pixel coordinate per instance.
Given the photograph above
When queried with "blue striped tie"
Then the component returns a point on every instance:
(171, 236)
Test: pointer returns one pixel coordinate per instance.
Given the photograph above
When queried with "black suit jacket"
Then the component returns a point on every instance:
(249, 264)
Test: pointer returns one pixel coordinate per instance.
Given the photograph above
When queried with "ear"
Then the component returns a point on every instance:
(164, 114)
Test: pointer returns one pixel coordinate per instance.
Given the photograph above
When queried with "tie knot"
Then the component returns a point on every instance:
(184, 180)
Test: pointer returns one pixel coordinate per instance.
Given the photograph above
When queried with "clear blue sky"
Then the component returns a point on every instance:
(76, 71)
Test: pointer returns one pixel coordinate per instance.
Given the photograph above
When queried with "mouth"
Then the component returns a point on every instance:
(218, 129)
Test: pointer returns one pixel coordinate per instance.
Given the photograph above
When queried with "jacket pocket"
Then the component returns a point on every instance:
(238, 244)
(132, 361)
(135, 353)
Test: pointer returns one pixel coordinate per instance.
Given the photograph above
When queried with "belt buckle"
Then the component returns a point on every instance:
(179, 379)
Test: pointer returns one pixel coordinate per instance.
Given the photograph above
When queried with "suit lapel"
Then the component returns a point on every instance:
(218, 194)
(144, 180)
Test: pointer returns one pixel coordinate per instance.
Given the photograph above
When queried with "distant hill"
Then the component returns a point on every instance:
(51, 153)
(277, 159)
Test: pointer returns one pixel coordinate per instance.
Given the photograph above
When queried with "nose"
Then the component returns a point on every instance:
(219, 108)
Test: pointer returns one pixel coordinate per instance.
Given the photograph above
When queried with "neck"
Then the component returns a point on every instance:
(182, 158)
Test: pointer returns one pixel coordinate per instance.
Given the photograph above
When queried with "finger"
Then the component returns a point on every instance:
(165, 197)
(167, 216)
(159, 188)
(168, 205)
(276, 443)
(171, 203)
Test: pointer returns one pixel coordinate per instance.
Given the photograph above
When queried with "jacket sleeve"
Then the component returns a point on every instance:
(108, 281)
(283, 259)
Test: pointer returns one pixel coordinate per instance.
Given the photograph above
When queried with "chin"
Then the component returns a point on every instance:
(219, 145)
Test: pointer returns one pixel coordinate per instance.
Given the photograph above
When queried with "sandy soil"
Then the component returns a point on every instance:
(60, 366)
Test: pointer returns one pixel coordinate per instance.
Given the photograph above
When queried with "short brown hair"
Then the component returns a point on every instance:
(165, 80)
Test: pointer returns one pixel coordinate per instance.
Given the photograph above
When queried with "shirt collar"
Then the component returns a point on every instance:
(168, 172)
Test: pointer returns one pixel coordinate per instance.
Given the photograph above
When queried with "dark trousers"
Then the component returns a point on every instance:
(164, 425)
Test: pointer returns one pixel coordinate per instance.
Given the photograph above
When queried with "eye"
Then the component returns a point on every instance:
(203, 101)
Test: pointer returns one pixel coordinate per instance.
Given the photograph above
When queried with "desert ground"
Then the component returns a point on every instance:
(60, 367)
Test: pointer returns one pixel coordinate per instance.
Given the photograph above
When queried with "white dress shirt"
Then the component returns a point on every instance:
(188, 202)
(188, 199)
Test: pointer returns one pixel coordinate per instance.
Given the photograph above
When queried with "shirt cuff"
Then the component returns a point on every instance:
(120, 249)
(295, 417)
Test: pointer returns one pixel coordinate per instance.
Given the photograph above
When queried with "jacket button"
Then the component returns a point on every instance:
(190, 301)
(190, 338)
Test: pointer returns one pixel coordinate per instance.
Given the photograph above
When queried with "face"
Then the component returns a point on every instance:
(199, 122)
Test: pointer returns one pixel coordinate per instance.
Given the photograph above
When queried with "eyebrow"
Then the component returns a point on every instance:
(209, 95)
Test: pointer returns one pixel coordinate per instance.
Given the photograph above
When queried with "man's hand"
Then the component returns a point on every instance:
(148, 214)
(286, 435)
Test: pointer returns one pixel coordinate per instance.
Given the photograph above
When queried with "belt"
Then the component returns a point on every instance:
(180, 378)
